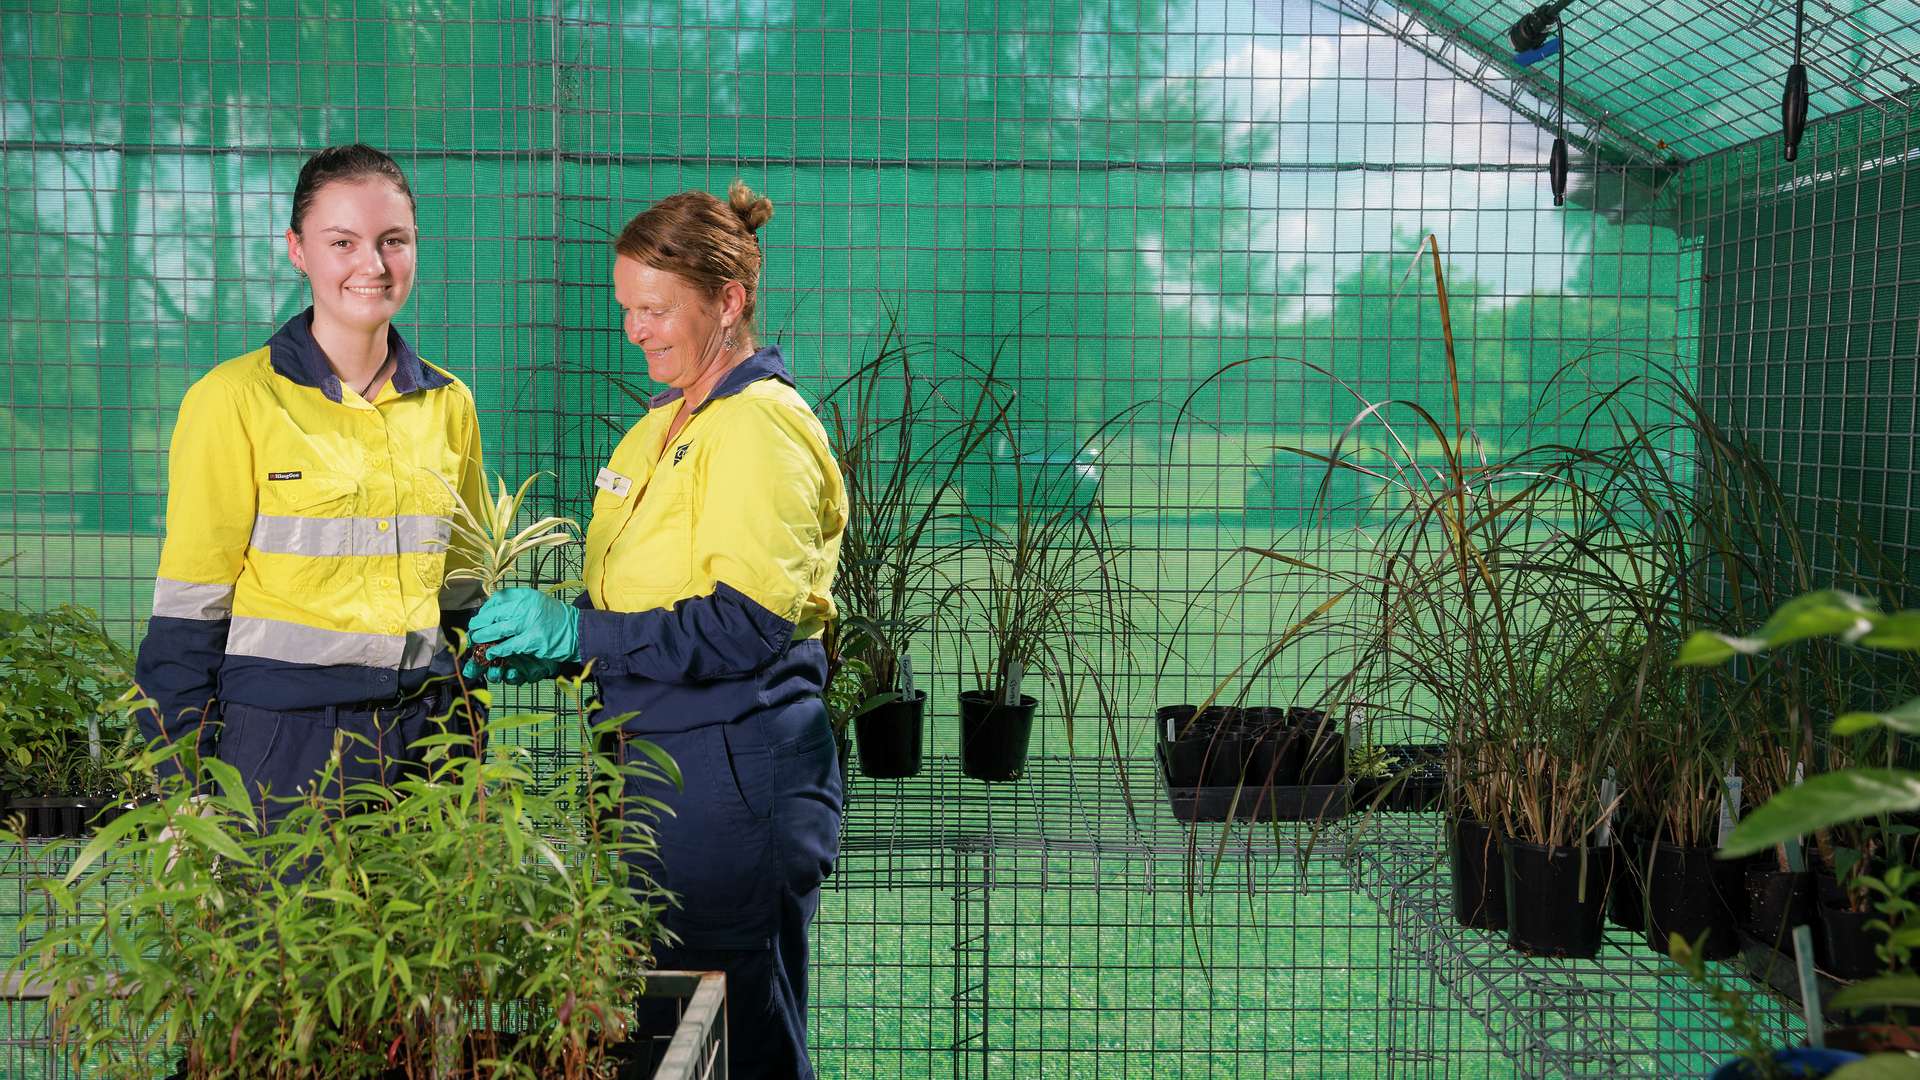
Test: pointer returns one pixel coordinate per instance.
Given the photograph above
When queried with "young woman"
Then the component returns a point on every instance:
(299, 595)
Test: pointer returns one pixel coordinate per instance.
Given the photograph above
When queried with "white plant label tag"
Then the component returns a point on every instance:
(1014, 671)
(906, 675)
(1728, 801)
(613, 482)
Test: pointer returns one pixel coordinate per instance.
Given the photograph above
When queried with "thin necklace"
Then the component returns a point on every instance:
(376, 376)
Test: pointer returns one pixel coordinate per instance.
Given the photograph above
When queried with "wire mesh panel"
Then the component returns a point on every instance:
(1110, 204)
(1808, 309)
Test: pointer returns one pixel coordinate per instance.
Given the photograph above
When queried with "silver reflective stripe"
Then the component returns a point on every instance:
(422, 532)
(405, 534)
(462, 594)
(271, 639)
(186, 600)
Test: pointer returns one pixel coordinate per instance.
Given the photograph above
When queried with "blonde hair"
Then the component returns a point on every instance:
(708, 242)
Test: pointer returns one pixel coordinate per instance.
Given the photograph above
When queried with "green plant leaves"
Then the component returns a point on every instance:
(1823, 801)
(331, 941)
(1905, 719)
(1826, 613)
(1887, 991)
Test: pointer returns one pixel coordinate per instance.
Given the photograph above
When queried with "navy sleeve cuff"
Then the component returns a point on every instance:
(718, 636)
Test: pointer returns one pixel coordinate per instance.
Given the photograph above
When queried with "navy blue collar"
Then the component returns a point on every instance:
(765, 363)
(297, 357)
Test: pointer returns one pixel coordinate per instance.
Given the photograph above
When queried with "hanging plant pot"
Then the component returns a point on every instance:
(1556, 898)
(1777, 901)
(890, 737)
(993, 736)
(1626, 899)
(1479, 876)
(1689, 892)
(1843, 946)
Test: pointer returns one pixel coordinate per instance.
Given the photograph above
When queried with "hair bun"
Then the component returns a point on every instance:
(752, 210)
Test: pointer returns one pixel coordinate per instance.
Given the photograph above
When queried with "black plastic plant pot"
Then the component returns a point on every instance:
(1556, 898)
(1301, 716)
(890, 737)
(1626, 902)
(1207, 749)
(1777, 901)
(1844, 946)
(1183, 742)
(1479, 876)
(1275, 749)
(1326, 758)
(993, 736)
(1690, 893)
(64, 815)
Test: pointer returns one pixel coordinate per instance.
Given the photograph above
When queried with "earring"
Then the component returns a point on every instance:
(730, 341)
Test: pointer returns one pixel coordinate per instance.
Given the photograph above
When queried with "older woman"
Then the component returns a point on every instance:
(715, 535)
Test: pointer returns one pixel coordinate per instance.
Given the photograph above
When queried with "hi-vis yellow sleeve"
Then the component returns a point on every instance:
(767, 512)
(212, 492)
(211, 500)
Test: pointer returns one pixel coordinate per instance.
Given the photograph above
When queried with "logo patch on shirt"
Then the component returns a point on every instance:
(613, 482)
(283, 476)
(681, 451)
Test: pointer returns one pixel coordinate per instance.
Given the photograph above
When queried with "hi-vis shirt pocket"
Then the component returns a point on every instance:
(308, 492)
(302, 524)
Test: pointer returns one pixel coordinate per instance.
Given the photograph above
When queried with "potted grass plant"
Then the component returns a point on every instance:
(903, 439)
(1041, 597)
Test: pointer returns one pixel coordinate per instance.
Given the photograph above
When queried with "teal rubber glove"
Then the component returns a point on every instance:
(521, 623)
(518, 670)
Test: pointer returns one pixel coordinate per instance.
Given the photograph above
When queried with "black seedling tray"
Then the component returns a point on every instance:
(1312, 802)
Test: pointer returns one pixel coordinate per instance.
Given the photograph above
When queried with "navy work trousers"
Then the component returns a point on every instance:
(754, 832)
(279, 753)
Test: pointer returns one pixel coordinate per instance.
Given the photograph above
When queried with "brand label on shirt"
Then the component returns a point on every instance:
(283, 476)
(611, 481)
(681, 451)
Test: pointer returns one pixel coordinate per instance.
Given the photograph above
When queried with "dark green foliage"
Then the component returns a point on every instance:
(58, 673)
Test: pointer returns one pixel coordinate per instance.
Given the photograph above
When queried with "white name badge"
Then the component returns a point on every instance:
(608, 480)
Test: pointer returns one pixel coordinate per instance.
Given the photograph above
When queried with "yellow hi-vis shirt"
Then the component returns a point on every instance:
(307, 531)
(710, 558)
